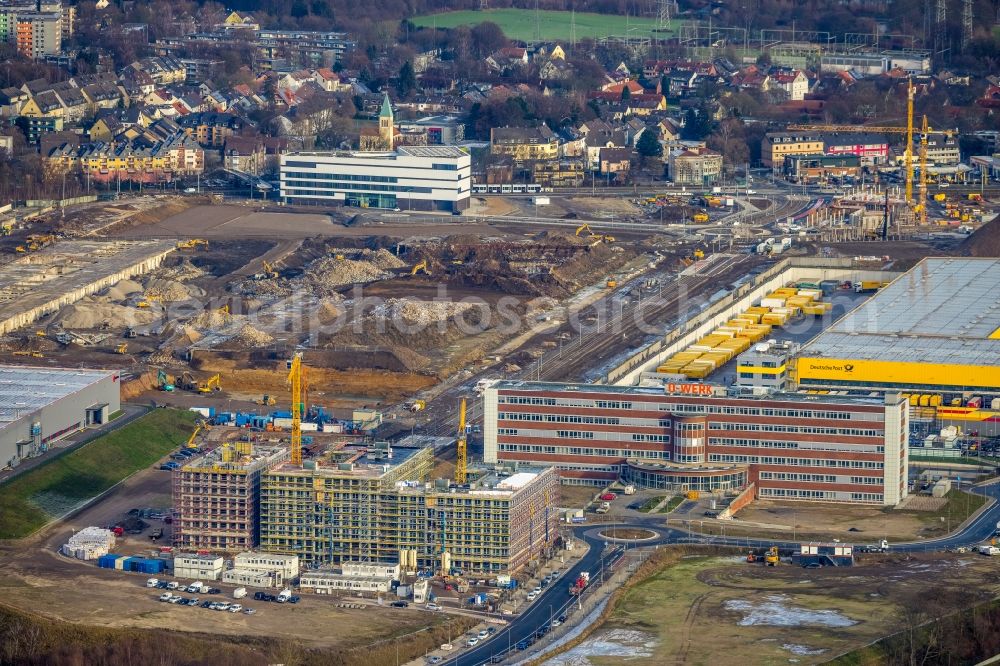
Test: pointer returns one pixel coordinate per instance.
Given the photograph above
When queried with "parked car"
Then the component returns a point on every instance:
(294, 599)
(165, 596)
(399, 604)
(532, 595)
(170, 465)
(235, 608)
(483, 634)
(432, 607)
(249, 611)
(472, 642)
(173, 585)
(206, 604)
(608, 497)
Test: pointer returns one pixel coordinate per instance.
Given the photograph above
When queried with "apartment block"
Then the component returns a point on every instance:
(371, 510)
(775, 146)
(216, 496)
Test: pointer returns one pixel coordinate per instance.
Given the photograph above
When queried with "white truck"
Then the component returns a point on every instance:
(988, 549)
(197, 586)
(629, 490)
(284, 596)
(239, 593)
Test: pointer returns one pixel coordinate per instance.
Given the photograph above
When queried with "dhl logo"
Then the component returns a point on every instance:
(967, 414)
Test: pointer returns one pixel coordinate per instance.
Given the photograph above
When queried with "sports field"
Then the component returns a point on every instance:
(552, 25)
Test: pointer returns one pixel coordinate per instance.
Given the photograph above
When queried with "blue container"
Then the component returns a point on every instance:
(107, 561)
(129, 563)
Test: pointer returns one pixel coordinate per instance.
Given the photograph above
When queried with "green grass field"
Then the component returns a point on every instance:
(34, 498)
(553, 25)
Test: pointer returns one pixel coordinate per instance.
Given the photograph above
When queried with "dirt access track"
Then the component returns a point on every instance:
(245, 222)
(35, 578)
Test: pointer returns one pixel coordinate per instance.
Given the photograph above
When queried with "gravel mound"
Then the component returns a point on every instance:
(418, 312)
(92, 313)
(249, 336)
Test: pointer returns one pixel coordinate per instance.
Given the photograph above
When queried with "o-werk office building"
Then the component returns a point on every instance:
(435, 178)
(791, 446)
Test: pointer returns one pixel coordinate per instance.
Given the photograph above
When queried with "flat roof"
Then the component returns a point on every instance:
(943, 310)
(26, 389)
(432, 151)
(656, 391)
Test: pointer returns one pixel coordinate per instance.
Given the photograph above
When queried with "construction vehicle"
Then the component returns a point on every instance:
(699, 254)
(122, 348)
(190, 443)
(269, 271)
(129, 333)
(416, 406)
(700, 217)
(192, 243)
(422, 266)
(295, 379)
(210, 384)
(611, 284)
(772, 558)
(164, 382)
(187, 382)
(461, 461)
(224, 310)
(267, 401)
(584, 227)
(21, 248)
(33, 354)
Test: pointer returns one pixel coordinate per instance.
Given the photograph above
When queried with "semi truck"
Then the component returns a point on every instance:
(868, 286)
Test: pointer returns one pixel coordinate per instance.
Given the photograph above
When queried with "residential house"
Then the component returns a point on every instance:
(775, 145)
(164, 70)
(598, 140)
(244, 153)
(559, 172)
(331, 81)
(211, 129)
(793, 83)
(556, 69)
(103, 96)
(237, 21)
(694, 166)
(11, 101)
(615, 163)
(524, 143)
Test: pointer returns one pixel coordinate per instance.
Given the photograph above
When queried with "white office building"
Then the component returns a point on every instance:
(199, 567)
(408, 178)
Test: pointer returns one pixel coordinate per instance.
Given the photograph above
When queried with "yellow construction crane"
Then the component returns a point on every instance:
(295, 379)
(461, 462)
(908, 130)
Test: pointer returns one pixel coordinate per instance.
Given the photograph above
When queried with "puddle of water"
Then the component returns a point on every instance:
(624, 643)
(804, 650)
(774, 610)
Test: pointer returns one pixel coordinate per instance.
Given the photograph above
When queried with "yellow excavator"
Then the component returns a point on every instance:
(122, 348)
(771, 558)
(269, 270)
(192, 243)
(422, 266)
(210, 384)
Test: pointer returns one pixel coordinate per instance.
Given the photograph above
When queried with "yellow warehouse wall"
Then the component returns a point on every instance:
(895, 372)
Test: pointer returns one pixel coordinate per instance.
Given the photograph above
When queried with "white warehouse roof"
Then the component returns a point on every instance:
(25, 389)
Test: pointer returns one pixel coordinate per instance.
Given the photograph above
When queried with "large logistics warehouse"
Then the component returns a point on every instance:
(697, 437)
(935, 329)
(41, 405)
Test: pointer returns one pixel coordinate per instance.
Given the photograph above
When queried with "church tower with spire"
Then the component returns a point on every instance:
(386, 126)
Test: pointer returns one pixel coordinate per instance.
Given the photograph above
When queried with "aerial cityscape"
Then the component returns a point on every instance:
(469, 332)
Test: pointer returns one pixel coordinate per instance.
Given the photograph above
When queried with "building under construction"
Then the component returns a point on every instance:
(375, 505)
(216, 496)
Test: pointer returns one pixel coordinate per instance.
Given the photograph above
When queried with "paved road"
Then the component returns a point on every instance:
(556, 597)
(553, 601)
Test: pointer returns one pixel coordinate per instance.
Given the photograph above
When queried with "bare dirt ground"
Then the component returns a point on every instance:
(600, 206)
(34, 577)
(491, 206)
(243, 222)
(858, 524)
(719, 610)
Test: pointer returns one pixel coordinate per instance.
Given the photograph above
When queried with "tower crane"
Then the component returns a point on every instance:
(461, 463)
(295, 379)
(908, 130)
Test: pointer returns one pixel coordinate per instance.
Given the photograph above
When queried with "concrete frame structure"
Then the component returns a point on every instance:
(61, 274)
(217, 497)
(41, 405)
(410, 178)
(792, 446)
(369, 511)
